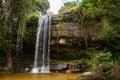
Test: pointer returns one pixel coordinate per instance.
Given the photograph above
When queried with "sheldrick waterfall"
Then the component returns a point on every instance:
(42, 49)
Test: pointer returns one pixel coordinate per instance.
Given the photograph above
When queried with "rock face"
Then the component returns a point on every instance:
(58, 17)
(80, 67)
(58, 67)
(68, 68)
(61, 67)
(67, 37)
(67, 28)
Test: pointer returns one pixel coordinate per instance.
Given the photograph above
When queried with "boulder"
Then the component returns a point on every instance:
(89, 76)
(86, 76)
(58, 67)
(80, 67)
(68, 71)
(72, 71)
(68, 68)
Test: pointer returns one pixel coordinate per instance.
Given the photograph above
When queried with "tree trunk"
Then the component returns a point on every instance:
(8, 47)
(86, 37)
(7, 43)
(20, 34)
(19, 43)
(9, 60)
(80, 23)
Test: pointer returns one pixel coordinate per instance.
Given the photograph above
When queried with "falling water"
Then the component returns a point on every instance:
(41, 62)
(71, 29)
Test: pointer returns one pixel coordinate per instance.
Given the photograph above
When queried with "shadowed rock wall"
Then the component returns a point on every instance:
(70, 29)
(68, 37)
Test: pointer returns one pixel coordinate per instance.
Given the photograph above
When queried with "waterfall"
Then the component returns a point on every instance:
(41, 62)
(71, 30)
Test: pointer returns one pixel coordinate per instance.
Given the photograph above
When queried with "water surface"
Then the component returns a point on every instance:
(31, 76)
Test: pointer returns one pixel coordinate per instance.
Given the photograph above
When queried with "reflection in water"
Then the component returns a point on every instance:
(34, 77)
(40, 76)
(46, 76)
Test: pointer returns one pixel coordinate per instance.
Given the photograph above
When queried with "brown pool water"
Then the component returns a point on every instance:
(31, 76)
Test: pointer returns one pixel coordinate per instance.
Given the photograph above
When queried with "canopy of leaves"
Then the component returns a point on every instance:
(67, 6)
(31, 27)
(13, 16)
(42, 5)
(106, 12)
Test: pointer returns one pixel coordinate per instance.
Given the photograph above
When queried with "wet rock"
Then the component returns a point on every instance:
(68, 71)
(72, 71)
(23, 68)
(58, 67)
(80, 67)
(68, 68)
(27, 69)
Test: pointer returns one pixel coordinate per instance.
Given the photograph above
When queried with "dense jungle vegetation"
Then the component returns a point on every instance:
(14, 14)
(106, 14)
(18, 23)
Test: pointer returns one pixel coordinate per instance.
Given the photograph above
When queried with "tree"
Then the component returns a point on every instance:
(67, 6)
(12, 13)
(42, 5)
(107, 13)
(21, 19)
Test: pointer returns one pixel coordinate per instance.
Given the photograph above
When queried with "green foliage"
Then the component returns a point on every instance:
(111, 9)
(96, 9)
(103, 58)
(42, 5)
(13, 16)
(31, 26)
(34, 14)
(86, 3)
(111, 31)
(67, 6)
(116, 56)
(89, 62)
(75, 8)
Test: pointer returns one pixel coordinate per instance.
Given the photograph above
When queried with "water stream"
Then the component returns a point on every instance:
(41, 62)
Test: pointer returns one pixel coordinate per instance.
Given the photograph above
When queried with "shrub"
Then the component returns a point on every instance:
(103, 58)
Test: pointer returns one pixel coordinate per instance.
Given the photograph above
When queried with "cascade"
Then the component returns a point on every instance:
(42, 49)
(71, 30)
